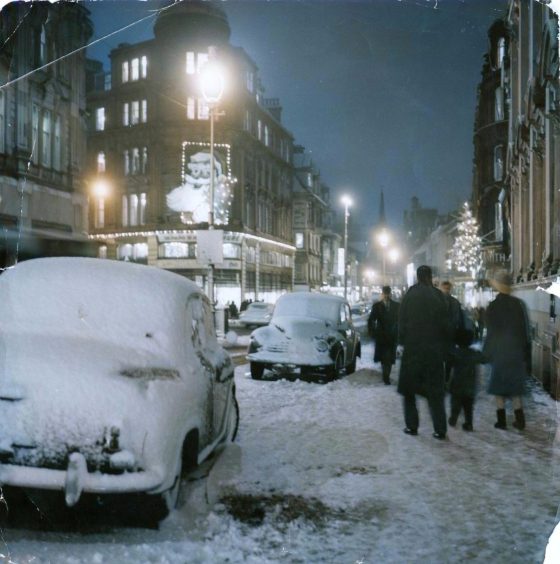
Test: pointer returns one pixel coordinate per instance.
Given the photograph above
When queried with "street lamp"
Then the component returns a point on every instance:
(212, 84)
(346, 202)
(383, 239)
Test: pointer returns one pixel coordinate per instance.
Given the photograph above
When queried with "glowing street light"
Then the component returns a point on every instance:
(346, 202)
(383, 238)
(100, 189)
(212, 85)
(394, 255)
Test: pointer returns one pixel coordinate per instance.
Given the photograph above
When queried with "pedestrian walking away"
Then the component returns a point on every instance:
(455, 312)
(383, 328)
(425, 333)
(508, 348)
(463, 383)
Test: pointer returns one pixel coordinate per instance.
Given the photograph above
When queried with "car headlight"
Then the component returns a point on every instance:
(254, 345)
(321, 345)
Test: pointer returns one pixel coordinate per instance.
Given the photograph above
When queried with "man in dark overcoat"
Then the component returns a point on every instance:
(508, 347)
(425, 332)
(455, 311)
(383, 327)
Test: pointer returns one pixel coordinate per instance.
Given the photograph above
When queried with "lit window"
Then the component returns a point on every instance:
(126, 113)
(101, 161)
(174, 250)
(43, 45)
(133, 209)
(144, 160)
(124, 252)
(102, 252)
(140, 251)
(247, 121)
(190, 107)
(125, 211)
(100, 119)
(134, 112)
(143, 201)
(135, 160)
(250, 81)
(309, 180)
(266, 136)
(498, 222)
(46, 141)
(190, 62)
(202, 59)
(144, 66)
(100, 213)
(232, 251)
(499, 104)
(259, 129)
(126, 163)
(144, 111)
(498, 162)
(501, 52)
(203, 109)
(299, 240)
(125, 71)
(57, 145)
(134, 69)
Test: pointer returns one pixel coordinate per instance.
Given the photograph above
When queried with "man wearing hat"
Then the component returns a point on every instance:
(382, 326)
(425, 332)
(508, 348)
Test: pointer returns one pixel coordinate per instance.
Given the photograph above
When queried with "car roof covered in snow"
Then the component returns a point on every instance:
(70, 294)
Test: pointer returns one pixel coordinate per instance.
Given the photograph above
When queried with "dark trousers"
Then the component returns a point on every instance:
(437, 411)
(386, 372)
(466, 403)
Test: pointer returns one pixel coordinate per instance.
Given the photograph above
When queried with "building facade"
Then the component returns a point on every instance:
(490, 201)
(43, 200)
(150, 165)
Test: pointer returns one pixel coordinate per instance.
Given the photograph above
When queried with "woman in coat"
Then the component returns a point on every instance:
(508, 348)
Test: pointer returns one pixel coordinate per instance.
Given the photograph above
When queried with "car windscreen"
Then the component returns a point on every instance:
(259, 306)
(315, 308)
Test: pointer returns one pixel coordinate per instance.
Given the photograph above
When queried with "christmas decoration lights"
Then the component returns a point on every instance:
(466, 252)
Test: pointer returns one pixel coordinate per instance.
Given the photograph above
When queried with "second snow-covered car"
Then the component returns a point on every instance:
(257, 314)
(111, 379)
(309, 331)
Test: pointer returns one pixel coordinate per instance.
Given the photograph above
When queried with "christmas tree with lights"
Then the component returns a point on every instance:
(466, 254)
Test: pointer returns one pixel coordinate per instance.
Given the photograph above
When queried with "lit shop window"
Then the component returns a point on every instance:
(177, 250)
(135, 69)
(102, 252)
(101, 161)
(100, 119)
(125, 72)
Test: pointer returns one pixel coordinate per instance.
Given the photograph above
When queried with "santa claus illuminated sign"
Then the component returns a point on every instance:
(192, 198)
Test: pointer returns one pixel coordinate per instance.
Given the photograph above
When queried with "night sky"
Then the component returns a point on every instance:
(382, 92)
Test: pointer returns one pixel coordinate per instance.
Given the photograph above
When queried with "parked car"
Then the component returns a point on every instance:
(257, 313)
(309, 331)
(111, 379)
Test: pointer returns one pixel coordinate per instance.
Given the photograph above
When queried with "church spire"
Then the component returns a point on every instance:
(382, 220)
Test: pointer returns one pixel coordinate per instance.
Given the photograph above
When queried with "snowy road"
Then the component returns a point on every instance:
(324, 473)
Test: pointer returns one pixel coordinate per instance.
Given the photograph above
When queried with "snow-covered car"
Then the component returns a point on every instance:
(309, 331)
(111, 379)
(257, 313)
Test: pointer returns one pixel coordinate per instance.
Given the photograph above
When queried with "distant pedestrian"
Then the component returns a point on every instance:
(455, 312)
(233, 311)
(508, 348)
(383, 327)
(463, 383)
(244, 305)
(425, 333)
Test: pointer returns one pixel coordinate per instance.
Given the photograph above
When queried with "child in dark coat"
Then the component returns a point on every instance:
(463, 384)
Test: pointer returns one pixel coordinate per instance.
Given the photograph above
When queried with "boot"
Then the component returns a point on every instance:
(501, 422)
(519, 422)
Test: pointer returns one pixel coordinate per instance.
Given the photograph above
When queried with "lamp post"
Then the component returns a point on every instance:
(383, 240)
(212, 86)
(347, 202)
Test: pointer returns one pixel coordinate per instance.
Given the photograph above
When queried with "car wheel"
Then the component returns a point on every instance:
(170, 497)
(338, 365)
(351, 368)
(257, 370)
(233, 424)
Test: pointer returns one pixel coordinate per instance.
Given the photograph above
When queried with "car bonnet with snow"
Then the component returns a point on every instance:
(302, 331)
(92, 361)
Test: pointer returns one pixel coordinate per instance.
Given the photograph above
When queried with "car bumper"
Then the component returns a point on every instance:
(291, 360)
(76, 480)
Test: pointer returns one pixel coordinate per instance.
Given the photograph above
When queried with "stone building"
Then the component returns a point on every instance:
(43, 199)
(490, 149)
(149, 150)
(317, 244)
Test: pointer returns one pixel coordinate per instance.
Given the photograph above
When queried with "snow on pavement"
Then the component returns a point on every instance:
(324, 473)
